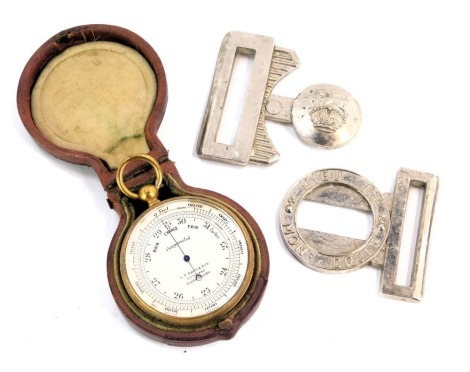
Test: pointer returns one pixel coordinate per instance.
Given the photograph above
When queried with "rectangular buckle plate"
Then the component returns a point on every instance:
(270, 64)
(405, 179)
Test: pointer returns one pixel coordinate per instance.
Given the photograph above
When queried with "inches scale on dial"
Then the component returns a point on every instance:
(192, 266)
(185, 259)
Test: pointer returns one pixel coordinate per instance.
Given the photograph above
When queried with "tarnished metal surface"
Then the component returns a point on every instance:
(323, 115)
(326, 252)
(270, 65)
(327, 116)
(405, 179)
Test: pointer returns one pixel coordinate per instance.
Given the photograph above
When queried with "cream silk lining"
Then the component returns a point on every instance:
(96, 98)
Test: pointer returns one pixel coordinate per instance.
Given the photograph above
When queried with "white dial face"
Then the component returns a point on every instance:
(186, 258)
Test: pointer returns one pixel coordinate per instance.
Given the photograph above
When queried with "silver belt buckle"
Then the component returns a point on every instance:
(334, 254)
(323, 115)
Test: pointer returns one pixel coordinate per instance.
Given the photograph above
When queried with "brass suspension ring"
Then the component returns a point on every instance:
(120, 173)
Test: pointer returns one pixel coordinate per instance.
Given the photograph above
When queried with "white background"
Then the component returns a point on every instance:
(407, 64)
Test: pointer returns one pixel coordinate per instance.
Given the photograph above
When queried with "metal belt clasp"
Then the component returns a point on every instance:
(323, 115)
(332, 253)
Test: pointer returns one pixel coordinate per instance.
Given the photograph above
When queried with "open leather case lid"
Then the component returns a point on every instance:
(94, 95)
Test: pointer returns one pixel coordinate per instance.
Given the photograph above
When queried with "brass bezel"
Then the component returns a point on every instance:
(201, 319)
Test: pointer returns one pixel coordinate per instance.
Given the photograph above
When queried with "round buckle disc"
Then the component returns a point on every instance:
(327, 252)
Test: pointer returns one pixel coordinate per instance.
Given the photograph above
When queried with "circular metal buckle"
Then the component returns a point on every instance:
(326, 252)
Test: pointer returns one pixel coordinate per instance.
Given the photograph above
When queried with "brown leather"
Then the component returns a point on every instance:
(138, 174)
(78, 35)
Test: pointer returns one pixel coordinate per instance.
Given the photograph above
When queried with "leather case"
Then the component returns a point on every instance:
(48, 112)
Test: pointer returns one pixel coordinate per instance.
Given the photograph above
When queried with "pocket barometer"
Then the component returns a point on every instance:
(186, 265)
(187, 260)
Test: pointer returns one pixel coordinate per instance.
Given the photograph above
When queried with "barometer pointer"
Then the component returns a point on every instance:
(186, 258)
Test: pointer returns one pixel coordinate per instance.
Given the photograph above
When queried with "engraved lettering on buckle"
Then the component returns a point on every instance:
(331, 253)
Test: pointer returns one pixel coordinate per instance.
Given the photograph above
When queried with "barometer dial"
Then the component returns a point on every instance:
(186, 260)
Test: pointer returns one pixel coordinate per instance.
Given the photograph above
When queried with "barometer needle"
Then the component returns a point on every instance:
(186, 258)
